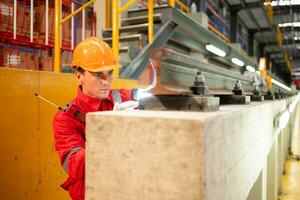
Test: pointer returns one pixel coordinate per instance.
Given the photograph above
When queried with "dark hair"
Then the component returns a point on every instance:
(79, 69)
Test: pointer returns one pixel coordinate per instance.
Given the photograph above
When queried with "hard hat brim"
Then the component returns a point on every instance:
(102, 68)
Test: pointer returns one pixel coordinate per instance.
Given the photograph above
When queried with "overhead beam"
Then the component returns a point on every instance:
(246, 7)
(251, 34)
(233, 26)
(271, 48)
(290, 41)
(289, 28)
(286, 8)
(276, 56)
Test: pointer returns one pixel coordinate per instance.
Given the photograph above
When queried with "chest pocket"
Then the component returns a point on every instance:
(75, 112)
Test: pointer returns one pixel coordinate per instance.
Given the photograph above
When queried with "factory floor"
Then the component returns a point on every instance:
(291, 181)
(291, 178)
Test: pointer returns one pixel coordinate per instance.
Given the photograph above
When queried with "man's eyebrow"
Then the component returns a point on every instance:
(102, 73)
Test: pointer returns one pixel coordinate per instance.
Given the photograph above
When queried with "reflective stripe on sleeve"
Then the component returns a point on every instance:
(66, 162)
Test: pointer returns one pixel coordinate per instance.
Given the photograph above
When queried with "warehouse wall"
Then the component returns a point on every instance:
(30, 167)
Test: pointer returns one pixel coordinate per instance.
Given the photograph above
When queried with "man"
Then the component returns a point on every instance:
(94, 63)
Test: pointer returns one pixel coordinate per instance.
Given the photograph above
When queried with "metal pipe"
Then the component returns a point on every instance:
(94, 25)
(77, 11)
(83, 24)
(172, 3)
(182, 5)
(72, 26)
(115, 31)
(108, 14)
(47, 22)
(150, 22)
(127, 5)
(57, 37)
(15, 19)
(31, 21)
(61, 14)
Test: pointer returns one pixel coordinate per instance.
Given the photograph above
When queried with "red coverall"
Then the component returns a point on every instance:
(69, 133)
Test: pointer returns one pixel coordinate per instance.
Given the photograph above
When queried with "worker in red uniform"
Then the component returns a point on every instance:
(94, 63)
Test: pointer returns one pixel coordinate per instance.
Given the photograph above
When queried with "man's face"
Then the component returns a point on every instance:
(95, 84)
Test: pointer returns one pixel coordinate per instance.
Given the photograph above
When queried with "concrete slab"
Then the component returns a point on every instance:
(167, 155)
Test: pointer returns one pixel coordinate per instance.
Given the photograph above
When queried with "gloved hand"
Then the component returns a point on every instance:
(127, 105)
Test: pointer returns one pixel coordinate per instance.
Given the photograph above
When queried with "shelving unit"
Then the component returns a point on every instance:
(27, 32)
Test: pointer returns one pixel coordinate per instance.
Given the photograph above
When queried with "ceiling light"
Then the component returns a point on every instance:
(296, 38)
(215, 50)
(237, 62)
(288, 24)
(250, 68)
(281, 85)
(285, 3)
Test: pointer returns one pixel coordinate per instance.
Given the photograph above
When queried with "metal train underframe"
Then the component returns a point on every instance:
(183, 80)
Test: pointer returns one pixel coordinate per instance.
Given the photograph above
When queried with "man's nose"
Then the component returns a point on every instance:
(104, 81)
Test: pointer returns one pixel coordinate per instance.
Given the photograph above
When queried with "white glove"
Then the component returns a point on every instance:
(127, 105)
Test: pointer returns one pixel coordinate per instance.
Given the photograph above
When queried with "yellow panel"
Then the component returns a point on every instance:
(30, 167)
(119, 83)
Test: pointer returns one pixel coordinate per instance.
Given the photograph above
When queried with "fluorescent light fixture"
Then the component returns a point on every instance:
(297, 38)
(281, 85)
(215, 50)
(237, 62)
(250, 68)
(284, 2)
(282, 120)
(288, 24)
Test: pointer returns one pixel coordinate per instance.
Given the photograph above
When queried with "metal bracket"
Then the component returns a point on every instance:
(199, 87)
(278, 94)
(269, 95)
(237, 98)
(257, 95)
(234, 99)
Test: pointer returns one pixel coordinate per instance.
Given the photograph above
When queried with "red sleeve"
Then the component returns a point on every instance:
(125, 95)
(77, 165)
(67, 134)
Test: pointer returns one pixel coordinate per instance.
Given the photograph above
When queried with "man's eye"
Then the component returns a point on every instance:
(96, 74)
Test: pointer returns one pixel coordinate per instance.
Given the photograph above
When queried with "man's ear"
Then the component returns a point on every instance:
(79, 77)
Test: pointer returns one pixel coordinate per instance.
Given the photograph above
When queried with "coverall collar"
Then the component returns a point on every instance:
(89, 104)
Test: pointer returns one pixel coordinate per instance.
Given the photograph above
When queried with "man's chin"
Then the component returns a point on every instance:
(103, 95)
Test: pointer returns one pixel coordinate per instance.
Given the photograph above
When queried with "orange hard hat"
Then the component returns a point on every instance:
(93, 54)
